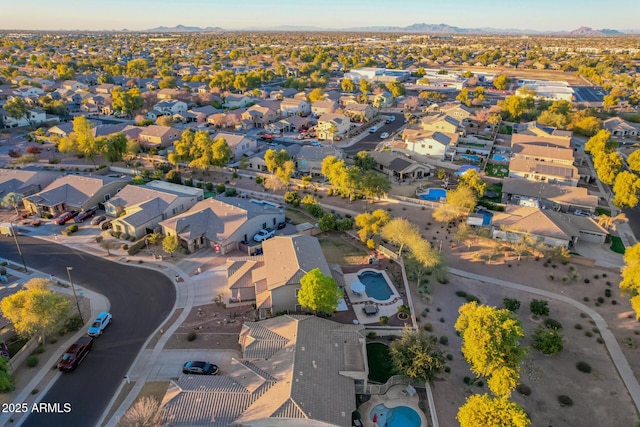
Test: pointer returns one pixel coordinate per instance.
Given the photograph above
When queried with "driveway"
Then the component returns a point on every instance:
(169, 363)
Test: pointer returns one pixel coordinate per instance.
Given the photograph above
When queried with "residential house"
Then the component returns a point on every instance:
(169, 108)
(257, 163)
(555, 173)
(168, 93)
(74, 85)
(24, 182)
(295, 107)
(104, 88)
(441, 123)
(28, 91)
(558, 137)
(228, 119)
(545, 226)
(260, 116)
(560, 198)
(458, 111)
(319, 108)
(153, 115)
(309, 158)
(73, 192)
(237, 101)
(620, 128)
(34, 117)
(381, 100)
(222, 223)
(542, 153)
(264, 387)
(332, 126)
(204, 112)
(359, 112)
(155, 136)
(138, 209)
(294, 123)
(239, 144)
(429, 143)
(399, 167)
(272, 283)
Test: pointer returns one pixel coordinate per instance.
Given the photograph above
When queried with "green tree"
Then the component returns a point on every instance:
(513, 107)
(65, 72)
(126, 101)
(316, 94)
(484, 410)
(416, 355)
(511, 304)
(115, 147)
(365, 86)
(491, 344)
(609, 101)
(585, 125)
(626, 189)
(221, 152)
(6, 380)
(460, 202)
(318, 292)
(463, 97)
(501, 82)
(403, 233)
(12, 200)
(547, 340)
(82, 140)
(473, 181)
(137, 68)
(374, 184)
(36, 310)
(630, 284)
(17, 108)
(396, 89)
(168, 82)
(480, 94)
(365, 161)
(370, 224)
(539, 307)
(170, 244)
(347, 85)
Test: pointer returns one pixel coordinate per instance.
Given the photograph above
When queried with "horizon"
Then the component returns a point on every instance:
(117, 15)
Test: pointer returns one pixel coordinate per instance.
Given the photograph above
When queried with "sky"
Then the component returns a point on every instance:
(548, 15)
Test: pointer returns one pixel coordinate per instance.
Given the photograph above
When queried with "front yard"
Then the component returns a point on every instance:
(339, 250)
(499, 171)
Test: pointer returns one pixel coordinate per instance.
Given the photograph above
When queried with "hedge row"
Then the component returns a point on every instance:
(135, 248)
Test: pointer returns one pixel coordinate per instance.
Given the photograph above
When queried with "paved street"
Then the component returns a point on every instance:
(140, 300)
(370, 141)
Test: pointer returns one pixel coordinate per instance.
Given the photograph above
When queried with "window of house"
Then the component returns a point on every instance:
(297, 292)
(430, 147)
(264, 225)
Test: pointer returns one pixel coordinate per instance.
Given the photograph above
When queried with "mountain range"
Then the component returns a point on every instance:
(414, 28)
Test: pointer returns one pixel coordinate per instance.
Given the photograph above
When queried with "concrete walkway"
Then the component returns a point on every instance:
(610, 342)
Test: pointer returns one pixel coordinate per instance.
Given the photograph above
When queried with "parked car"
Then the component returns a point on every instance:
(66, 216)
(264, 234)
(98, 219)
(390, 119)
(582, 213)
(98, 326)
(200, 368)
(373, 129)
(316, 144)
(384, 135)
(75, 354)
(281, 225)
(85, 215)
(105, 225)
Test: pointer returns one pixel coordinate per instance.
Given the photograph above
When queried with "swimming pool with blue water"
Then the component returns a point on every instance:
(400, 416)
(433, 194)
(375, 285)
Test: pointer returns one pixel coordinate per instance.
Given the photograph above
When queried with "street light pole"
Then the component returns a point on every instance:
(15, 237)
(75, 296)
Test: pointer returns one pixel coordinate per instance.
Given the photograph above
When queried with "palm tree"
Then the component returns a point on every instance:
(610, 223)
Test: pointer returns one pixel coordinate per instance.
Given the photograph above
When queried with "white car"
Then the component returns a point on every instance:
(384, 135)
(373, 129)
(98, 326)
(264, 234)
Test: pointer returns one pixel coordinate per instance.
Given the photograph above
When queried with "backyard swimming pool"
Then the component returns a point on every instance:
(500, 158)
(433, 194)
(376, 285)
(470, 157)
(400, 416)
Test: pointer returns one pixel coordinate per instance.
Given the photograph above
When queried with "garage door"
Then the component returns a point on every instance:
(587, 236)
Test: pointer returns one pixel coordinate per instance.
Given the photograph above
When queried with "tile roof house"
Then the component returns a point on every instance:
(237, 101)
(274, 284)
(158, 136)
(555, 173)
(292, 107)
(440, 123)
(260, 116)
(359, 112)
(319, 108)
(309, 158)
(239, 144)
(24, 182)
(73, 192)
(171, 107)
(222, 223)
(547, 226)
(429, 143)
(256, 161)
(295, 371)
(138, 209)
(400, 167)
(537, 129)
(621, 128)
(550, 196)
(331, 126)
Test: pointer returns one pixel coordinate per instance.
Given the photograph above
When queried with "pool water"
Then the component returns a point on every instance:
(400, 416)
(499, 158)
(433, 194)
(470, 157)
(375, 285)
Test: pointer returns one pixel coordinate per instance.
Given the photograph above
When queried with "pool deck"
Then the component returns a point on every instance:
(391, 399)
(387, 308)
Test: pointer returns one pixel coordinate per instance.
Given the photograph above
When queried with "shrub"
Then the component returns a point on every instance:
(188, 182)
(585, 299)
(124, 236)
(32, 361)
(384, 320)
(523, 389)
(444, 340)
(39, 349)
(53, 340)
(447, 369)
(600, 299)
(607, 293)
(548, 341)
(230, 192)
(124, 246)
(135, 248)
(552, 324)
(99, 239)
(471, 298)
(599, 340)
(72, 324)
(461, 294)
(208, 186)
(442, 320)
(539, 307)
(220, 187)
(578, 326)
(588, 334)
(449, 356)
(73, 228)
(467, 380)
(511, 304)
(565, 400)
(587, 280)
(480, 383)
(372, 335)
(428, 327)
(191, 336)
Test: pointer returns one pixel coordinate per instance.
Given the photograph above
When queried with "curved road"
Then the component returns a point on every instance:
(140, 300)
(371, 140)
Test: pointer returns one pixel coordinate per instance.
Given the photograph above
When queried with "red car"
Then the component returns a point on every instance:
(75, 354)
(85, 215)
(66, 216)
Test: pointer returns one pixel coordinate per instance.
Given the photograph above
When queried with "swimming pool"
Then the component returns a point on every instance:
(470, 157)
(375, 285)
(400, 416)
(499, 158)
(433, 194)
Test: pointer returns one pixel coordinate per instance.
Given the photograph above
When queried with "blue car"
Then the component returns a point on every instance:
(98, 326)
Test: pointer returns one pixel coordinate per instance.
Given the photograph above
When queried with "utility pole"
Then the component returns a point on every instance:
(15, 237)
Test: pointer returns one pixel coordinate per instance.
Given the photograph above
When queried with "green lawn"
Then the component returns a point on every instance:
(339, 251)
(380, 368)
(603, 211)
(616, 245)
(209, 194)
(298, 217)
(497, 170)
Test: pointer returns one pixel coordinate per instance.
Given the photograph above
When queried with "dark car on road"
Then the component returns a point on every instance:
(66, 216)
(75, 354)
(85, 215)
(200, 368)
